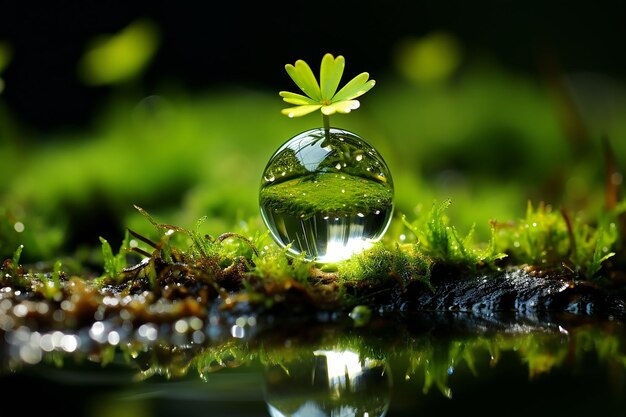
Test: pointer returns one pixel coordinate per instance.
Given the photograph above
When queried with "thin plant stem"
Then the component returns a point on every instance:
(326, 120)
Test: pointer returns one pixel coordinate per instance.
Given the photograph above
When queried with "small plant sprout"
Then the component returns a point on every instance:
(324, 96)
(326, 193)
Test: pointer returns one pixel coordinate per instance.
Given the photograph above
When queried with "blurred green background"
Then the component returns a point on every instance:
(175, 108)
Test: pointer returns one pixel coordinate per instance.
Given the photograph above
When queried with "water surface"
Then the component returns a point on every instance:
(394, 365)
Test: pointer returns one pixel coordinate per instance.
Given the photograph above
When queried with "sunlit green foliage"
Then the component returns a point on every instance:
(436, 238)
(550, 239)
(324, 96)
(49, 284)
(115, 263)
(41, 239)
(275, 265)
(468, 142)
(428, 60)
(12, 270)
(120, 57)
(543, 236)
(379, 263)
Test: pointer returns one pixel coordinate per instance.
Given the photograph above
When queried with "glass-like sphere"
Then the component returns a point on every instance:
(326, 194)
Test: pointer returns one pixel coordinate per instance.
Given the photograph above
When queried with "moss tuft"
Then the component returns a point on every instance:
(379, 264)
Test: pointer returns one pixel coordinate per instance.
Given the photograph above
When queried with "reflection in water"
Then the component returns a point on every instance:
(337, 383)
(443, 364)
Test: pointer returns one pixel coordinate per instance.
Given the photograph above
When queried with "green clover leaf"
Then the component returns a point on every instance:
(324, 96)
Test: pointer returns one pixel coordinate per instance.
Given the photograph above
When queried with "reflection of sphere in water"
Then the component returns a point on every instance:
(330, 384)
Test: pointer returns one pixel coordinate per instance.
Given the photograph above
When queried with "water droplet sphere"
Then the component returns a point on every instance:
(326, 194)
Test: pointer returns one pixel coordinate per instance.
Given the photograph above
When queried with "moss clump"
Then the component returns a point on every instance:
(441, 242)
(379, 263)
(333, 194)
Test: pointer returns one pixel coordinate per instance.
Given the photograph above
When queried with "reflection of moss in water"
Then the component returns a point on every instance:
(334, 194)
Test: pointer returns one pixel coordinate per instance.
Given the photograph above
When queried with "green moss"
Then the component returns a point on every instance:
(379, 263)
(554, 238)
(437, 239)
(333, 194)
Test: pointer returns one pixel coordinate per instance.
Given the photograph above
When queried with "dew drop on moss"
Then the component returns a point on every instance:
(326, 195)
